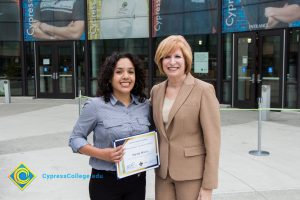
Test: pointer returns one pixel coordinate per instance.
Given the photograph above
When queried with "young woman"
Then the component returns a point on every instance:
(119, 111)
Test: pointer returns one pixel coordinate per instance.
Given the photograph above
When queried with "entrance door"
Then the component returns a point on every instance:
(245, 71)
(292, 86)
(258, 61)
(55, 70)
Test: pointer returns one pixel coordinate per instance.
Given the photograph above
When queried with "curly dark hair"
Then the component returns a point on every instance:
(107, 71)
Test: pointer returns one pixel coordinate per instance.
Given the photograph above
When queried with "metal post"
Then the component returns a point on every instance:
(79, 102)
(6, 85)
(259, 125)
(259, 152)
(266, 102)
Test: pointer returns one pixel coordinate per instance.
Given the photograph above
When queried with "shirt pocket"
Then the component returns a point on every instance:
(116, 128)
(143, 121)
(142, 125)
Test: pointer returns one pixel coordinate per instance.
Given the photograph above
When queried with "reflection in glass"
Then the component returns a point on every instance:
(271, 66)
(10, 65)
(227, 70)
(244, 72)
(205, 44)
(65, 69)
(190, 17)
(46, 69)
(29, 68)
(46, 83)
(292, 70)
(9, 20)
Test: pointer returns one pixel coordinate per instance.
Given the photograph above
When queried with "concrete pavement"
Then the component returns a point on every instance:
(36, 131)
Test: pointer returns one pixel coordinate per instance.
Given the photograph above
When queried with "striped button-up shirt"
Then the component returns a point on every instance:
(109, 121)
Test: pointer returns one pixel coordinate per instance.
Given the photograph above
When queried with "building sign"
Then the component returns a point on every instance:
(245, 15)
(114, 19)
(9, 20)
(184, 17)
(53, 20)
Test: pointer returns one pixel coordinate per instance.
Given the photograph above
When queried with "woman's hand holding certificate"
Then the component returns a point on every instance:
(141, 154)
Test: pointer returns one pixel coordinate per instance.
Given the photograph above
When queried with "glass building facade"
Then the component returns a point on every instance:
(54, 49)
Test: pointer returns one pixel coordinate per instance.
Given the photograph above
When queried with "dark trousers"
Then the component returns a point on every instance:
(104, 185)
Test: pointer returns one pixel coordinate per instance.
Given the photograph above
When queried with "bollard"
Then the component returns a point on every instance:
(259, 152)
(79, 102)
(1, 88)
(6, 85)
(266, 102)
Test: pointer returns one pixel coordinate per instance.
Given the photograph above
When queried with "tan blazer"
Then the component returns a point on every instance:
(189, 146)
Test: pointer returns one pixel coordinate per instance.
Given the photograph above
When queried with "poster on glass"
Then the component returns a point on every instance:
(53, 20)
(115, 19)
(245, 15)
(184, 17)
(9, 20)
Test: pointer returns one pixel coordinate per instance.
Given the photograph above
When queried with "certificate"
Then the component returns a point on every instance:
(141, 154)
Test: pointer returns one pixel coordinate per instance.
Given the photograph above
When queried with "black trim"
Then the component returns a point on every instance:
(87, 81)
(219, 52)
(22, 53)
(150, 51)
(298, 77)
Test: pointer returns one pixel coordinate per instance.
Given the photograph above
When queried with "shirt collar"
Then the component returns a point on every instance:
(114, 100)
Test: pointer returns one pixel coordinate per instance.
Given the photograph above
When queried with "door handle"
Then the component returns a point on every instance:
(252, 80)
(54, 75)
(258, 78)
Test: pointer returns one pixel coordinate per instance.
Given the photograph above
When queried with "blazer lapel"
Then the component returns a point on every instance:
(183, 93)
(160, 99)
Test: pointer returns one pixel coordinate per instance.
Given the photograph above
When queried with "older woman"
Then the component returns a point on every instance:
(186, 114)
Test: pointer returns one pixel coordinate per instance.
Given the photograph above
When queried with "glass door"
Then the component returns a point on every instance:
(245, 70)
(271, 64)
(45, 71)
(292, 70)
(258, 60)
(65, 71)
(55, 70)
